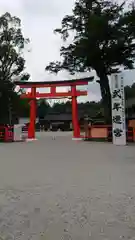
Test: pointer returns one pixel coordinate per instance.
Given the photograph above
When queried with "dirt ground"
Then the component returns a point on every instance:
(59, 189)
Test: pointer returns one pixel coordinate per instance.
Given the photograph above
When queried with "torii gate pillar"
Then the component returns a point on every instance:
(31, 128)
(75, 123)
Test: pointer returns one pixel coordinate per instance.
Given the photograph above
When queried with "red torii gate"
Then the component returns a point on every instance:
(73, 93)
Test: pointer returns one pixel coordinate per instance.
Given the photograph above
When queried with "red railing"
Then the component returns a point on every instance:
(6, 134)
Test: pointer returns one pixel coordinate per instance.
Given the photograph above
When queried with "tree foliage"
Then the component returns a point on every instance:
(93, 109)
(43, 108)
(12, 63)
(103, 39)
(130, 92)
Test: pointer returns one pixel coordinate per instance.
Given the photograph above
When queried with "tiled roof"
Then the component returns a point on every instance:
(60, 117)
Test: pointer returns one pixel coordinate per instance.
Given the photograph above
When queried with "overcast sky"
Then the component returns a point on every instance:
(39, 19)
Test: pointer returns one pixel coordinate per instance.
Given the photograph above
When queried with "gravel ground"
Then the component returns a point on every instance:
(59, 189)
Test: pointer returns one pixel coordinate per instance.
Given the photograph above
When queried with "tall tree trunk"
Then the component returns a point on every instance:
(106, 96)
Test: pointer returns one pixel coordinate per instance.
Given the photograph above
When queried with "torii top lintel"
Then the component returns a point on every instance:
(62, 83)
(53, 85)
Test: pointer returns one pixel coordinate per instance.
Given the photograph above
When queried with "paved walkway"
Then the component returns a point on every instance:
(63, 189)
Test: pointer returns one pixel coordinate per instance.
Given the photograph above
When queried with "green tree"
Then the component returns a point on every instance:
(130, 91)
(103, 34)
(43, 108)
(61, 107)
(12, 63)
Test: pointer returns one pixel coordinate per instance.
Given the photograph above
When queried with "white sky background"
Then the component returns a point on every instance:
(39, 19)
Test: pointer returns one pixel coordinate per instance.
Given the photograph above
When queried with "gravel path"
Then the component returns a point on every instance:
(63, 189)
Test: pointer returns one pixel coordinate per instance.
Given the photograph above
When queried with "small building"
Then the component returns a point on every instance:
(57, 121)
